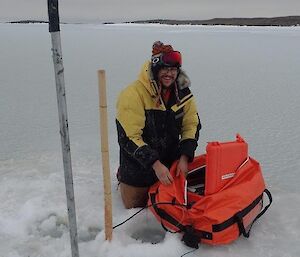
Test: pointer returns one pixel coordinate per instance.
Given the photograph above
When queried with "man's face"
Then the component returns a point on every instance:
(167, 76)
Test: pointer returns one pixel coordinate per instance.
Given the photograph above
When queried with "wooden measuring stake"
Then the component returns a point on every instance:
(105, 154)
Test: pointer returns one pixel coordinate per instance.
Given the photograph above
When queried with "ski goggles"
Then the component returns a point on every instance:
(170, 59)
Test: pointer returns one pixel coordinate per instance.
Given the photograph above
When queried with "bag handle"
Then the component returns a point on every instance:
(239, 217)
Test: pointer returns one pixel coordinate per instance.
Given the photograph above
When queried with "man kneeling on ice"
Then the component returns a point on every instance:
(157, 123)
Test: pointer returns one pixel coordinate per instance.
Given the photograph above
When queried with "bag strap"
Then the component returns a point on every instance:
(164, 215)
(239, 217)
(170, 219)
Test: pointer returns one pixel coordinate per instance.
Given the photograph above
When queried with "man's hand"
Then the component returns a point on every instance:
(182, 166)
(162, 173)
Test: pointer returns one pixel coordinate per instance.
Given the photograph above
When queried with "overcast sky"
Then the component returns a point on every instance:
(119, 10)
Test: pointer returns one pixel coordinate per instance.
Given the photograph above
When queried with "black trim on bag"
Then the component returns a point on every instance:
(167, 217)
(232, 220)
(238, 216)
(204, 234)
(240, 219)
(164, 215)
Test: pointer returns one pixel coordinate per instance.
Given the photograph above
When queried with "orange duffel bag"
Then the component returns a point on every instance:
(220, 199)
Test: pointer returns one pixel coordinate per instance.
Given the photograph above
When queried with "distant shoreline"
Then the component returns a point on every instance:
(286, 21)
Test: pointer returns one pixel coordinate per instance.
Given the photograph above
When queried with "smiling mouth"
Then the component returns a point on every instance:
(167, 78)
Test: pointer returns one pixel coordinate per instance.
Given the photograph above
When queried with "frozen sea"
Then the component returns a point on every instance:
(245, 80)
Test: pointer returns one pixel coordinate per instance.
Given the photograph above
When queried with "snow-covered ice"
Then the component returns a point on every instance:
(245, 79)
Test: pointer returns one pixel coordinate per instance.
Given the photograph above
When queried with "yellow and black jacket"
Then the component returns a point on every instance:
(150, 130)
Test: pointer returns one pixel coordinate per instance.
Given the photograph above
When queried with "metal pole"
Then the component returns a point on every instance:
(105, 154)
(63, 120)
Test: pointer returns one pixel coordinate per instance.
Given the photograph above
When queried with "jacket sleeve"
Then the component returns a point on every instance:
(130, 124)
(190, 130)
